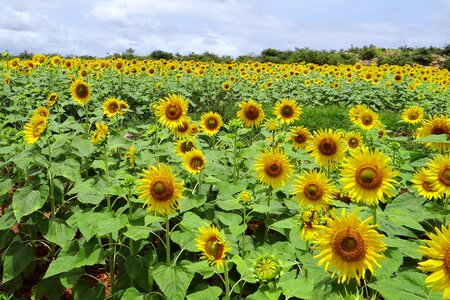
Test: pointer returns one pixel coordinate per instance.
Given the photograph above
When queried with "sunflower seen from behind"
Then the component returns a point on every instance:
(34, 129)
(439, 174)
(210, 123)
(313, 189)
(287, 110)
(80, 91)
(349, 247)
(212, 245)
(251, 113)
(160, 189)
(437, 250)
(273, 168)
(326, 147)
(367, 175)
(171, 111)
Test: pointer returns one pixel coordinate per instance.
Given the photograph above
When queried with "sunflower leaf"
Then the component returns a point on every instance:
(173, 280)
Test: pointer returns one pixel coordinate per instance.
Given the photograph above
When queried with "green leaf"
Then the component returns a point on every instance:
(87, 193)
(57, 231)
(244, 269)
(390, 264)
(137, 233)
(191, 222)
(7, 220)
(398, 217)
(15, 259)
(132, 294)
(5, 186)
(137, 267)
(69, 169)
(26, 200)
(228, 219)
(434, 138)
(173, 280)
(186, 240)
(297, 288)
(83, 146)
(212, 292)
(406, 247)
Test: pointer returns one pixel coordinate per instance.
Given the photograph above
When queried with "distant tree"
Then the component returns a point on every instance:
(159, 54)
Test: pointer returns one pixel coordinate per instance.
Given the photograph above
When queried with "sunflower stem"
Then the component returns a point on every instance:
(273, 141)
(374, 214)
(235, 167)
(167, 241)
(227, 281)
(199, 185)
(86, 115)
(50, 180)
(59, 116)
(111, 246)
(130, 215)
(243, 234)
(266, 232)
(445, 210)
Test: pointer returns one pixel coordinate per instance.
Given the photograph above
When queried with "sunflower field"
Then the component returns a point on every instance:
(164, 179)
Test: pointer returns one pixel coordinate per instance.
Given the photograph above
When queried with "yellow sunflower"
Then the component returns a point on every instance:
(354, 140)
(300, 136)
(213, 245)
(251, 113)
(81, 92)
(367, 176)
(52, 99)
(368, 119)
(355, 111)
(42, 111)
(349, 246)
(326, 147)
(273, 168)
(171, 111)
(313, 188)
(194, 161)
(412, 114)
(287, 110)
(160, 189)
(184, 146)
(194, 129)
(439, 174)
(130, 156)
(310, 219)
(435, 125)
(421, 182)
(123, 107)
(111, 107)
(438, 252)
(100, 134)
(34, 129)
(210, 123)
(183, 130)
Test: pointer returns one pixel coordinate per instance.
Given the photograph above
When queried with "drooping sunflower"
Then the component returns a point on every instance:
(439, 174)
(81, 92)
(160, 189)
(313, 188)
(130, 155)
(368, 119)
(354, 140)
(367, 176)
(213, 245)
(287, 110)
(34, 129)
(273, 168)
(100, 134)
(194, 161)
(251, 113)
(349, 246)
(184, 146)
(435, 125)
(52, 98)
(301, 136)
(412, 114)
(326, 147)
(210, 123)
(423, 185)
(42, 111)
(171, 111)
(438, 252)
(111, 107)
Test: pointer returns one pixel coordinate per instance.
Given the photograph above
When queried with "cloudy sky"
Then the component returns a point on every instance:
(224, 27)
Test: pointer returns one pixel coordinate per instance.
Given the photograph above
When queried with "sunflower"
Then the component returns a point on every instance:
(368, 119)
(245, 198)
(309, 221)
(111, 107)
(438, 252)
(81, 92)
(194, 129)
(300, 136)
(326, 147)
(435, 125)
(367, 176)
(171, 111)
(355, 111)
(273, 168)
(52, 99)
(213, 245)
(194, 161)
(42, 111)
(184, 146)
(130, 156)
(183, 130)
(123, 107)
(439, 174)
(100, 134)
(287, 110)
(210, 123)
(313, 188)
(354, 140)
(412, 114)
(349, 246)
(34, 129)
(251, 113)
(267, 268)
(160, 189)
(423, 185)
(272, 125)
(226, 85)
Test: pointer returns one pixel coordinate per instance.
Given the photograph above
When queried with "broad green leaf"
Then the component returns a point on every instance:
(173, 280)
(398, 217)
(191, 222)
(137, 267)
(406, 247)
(137, 233)
(57, 231)
(201, 267)
(83, 146)
(26, 200)
(390, 264)
(132, 294)
(186, 240)
(212, 292)
(69, 169)
(7, 220)
(229, 219)
(433, 138)
(15, 259)
(244, 269)
(297, 288)
(5, 186)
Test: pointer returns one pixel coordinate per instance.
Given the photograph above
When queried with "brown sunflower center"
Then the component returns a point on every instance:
(113, 107)
(214, 248)
(183, 127)
(52, 98)
(82, 91)
(287, 111)
(187, 146)
(300, 138)
(444, 176)
(327, 146)
(173, 111)
(349, 245)
(367, 120)
(212, 123)
(313, 191)
(447, 260)
(273, 169)
(427, 186)
(413, 116)
(353, 142)
(439, 130)
(196, 163)
(161, 189)
(369, 177)
(251, 112)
